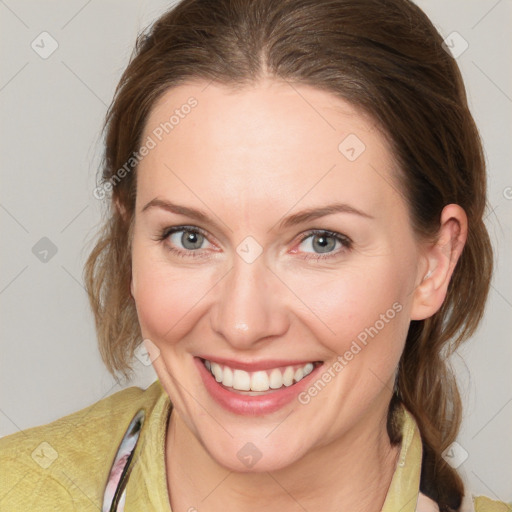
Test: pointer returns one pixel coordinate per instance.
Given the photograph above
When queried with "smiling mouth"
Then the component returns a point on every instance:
(261, 381)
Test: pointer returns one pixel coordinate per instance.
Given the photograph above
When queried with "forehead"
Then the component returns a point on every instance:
(270, 111)
(271, 141)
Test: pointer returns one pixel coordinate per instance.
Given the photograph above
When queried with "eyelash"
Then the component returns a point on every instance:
(166, 232)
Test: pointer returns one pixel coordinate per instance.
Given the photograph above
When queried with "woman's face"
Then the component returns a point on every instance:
(296, 283)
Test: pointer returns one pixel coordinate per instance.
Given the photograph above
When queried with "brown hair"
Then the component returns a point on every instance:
(386, 58)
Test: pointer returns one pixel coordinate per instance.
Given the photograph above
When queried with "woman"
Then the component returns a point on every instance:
(296, 232)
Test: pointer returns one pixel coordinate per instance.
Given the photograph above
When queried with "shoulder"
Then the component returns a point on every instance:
(67, 461)
(469, 504)
(485, 504)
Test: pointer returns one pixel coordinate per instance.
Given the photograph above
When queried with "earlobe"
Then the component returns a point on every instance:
(441, 258)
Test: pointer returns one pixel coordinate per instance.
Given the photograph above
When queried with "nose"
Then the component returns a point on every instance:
(250, 307)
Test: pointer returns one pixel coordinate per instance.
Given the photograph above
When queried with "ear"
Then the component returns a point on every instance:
(120, 208)
(441, 258)
(122, 211)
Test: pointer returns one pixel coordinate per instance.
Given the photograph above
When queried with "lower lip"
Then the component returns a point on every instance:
(251, 405)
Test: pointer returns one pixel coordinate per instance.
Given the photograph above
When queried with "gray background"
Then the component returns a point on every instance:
(51, 113)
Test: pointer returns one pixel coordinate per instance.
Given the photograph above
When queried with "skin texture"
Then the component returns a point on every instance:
(248, 158)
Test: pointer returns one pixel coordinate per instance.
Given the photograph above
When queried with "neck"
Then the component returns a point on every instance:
(352, 473)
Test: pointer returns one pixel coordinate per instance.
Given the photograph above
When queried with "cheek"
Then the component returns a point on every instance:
(358, 304)
(367, 323)
(168, 299)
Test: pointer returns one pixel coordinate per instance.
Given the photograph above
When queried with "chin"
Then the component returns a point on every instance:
(253, 457)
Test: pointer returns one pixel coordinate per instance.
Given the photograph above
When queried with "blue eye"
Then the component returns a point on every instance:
(189, 237)
(325, 242)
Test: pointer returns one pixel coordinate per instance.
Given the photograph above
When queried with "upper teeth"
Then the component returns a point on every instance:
(261, 380)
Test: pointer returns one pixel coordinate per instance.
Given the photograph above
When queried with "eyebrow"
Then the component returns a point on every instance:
(289, 221)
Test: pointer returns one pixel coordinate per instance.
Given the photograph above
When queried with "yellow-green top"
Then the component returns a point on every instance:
(65, 465)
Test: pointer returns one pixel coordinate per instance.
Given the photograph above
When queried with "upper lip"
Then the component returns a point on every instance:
(253, 366)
